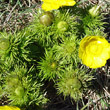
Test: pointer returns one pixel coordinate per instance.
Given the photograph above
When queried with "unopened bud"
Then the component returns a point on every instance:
(94, 11)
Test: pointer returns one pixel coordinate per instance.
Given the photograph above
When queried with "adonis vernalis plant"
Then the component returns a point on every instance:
(63, 45)
(22, 89)
(73, 82)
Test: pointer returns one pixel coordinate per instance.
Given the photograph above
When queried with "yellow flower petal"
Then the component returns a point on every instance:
(67, 3)
(55, 4)
(9, 108)
(48, 6)
(94, 51)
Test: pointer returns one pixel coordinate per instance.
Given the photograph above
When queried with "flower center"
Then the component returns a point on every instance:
(95, 48)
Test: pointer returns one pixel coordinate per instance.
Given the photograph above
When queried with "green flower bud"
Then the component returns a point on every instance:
(47, 18)
(94, 11)
(12, 80)
(74, 83)
(62, 26)
(4, 44)
(53, 65)
(19, 91)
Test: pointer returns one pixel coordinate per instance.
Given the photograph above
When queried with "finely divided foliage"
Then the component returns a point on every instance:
(59, 48)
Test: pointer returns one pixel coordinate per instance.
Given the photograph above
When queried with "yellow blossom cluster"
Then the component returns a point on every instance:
(9, 108)
(94, 51)
(55, 4)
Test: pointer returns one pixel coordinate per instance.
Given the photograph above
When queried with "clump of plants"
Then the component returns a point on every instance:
(63, 45)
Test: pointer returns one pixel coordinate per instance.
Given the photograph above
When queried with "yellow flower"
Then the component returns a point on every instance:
(9, 108)
(55, 4)
(94, 51)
